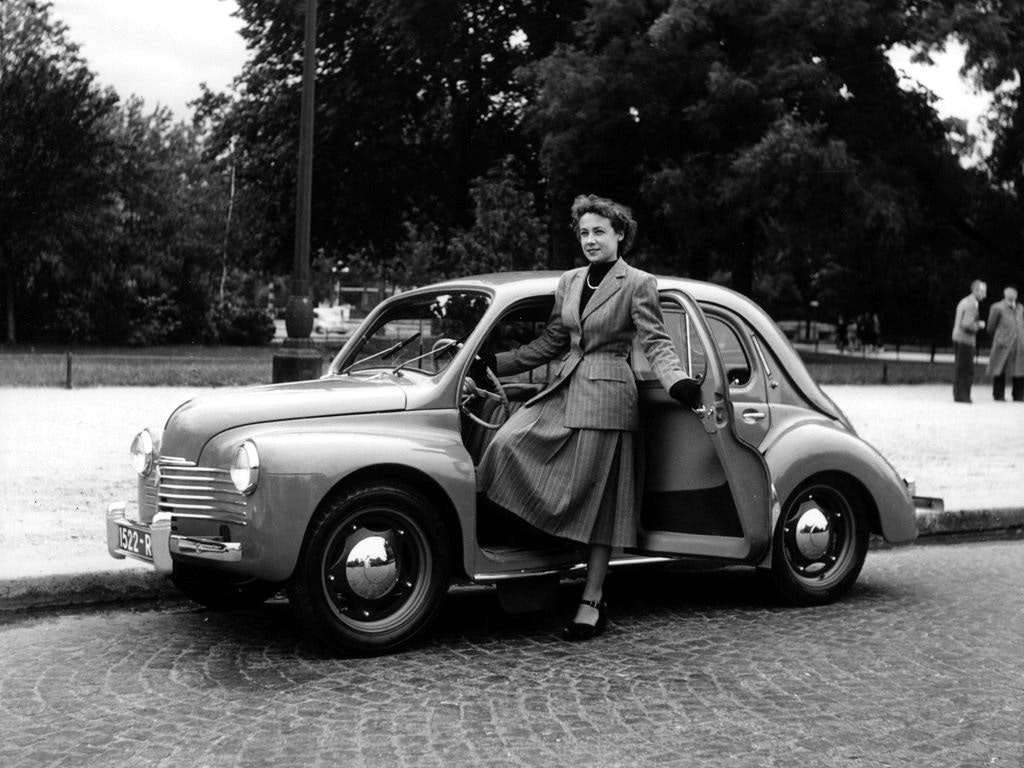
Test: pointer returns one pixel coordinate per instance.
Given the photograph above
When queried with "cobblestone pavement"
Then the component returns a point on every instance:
(919, 666)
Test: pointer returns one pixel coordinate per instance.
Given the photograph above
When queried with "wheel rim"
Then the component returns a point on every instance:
(819, 536)
(376, 569)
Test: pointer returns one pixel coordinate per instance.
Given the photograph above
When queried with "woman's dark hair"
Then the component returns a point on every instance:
(619, 215)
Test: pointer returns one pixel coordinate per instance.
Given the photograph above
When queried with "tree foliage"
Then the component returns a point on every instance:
(993, 35)
(765, 144)
(762, 140)
(53, 147)
(112, 222)
(415, 101)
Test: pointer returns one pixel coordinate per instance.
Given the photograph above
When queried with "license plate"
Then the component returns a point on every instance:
(134, 541)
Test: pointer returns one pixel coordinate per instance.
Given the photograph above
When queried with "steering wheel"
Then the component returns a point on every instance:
(442, 352)
(471, 393)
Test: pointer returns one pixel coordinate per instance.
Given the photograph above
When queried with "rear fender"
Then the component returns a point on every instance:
(813, 448)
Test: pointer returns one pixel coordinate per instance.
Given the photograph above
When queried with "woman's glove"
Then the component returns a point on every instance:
(478, 368)
(687, 392)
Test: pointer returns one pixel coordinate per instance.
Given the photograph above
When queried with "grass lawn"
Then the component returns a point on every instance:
(176, 366)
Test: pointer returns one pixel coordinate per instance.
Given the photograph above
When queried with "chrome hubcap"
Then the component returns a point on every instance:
(817, 534)
(371, 568)
(811, 531)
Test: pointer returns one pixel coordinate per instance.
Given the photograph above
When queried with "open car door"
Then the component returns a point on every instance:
(706, 491)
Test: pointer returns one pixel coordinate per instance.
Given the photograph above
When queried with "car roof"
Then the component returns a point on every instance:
(522, 284)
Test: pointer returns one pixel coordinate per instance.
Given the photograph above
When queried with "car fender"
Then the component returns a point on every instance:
(814, 447)
(300, 466)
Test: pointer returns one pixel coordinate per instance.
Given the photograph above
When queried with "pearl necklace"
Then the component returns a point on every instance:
(603, 275)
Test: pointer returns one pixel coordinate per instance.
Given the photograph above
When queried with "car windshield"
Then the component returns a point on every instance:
(415, 333)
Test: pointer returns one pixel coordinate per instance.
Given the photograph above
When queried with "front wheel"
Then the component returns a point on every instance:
(820, 543)
(374, 568)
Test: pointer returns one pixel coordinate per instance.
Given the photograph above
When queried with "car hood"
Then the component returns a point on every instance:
(197, 420)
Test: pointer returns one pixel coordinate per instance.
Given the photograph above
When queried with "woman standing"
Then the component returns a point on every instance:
(565, 462)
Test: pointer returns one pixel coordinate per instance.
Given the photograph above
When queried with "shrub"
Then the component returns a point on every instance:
(240, 324)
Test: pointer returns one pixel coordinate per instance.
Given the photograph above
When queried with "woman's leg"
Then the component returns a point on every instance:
(598, 558)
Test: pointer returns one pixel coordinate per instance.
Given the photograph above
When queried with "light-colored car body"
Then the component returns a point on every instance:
(359, 491)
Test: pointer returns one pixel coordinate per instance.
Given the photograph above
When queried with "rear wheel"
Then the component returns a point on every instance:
(820, 543)
(374, 569)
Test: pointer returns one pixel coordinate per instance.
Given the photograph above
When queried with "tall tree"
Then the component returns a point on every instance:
(53, 144)
(993, 36)
(415, 100)
(757, 137)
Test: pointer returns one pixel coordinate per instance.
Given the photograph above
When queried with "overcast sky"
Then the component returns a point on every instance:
(162, 50)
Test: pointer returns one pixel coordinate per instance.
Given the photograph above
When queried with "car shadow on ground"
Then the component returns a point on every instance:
(642, 601)
(473, 616)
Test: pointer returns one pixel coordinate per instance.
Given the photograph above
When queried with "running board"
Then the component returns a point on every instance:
(618, 562)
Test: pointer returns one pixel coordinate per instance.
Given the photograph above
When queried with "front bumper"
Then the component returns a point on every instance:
(157, 545)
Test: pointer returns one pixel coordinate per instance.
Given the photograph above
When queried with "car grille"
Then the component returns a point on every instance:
(185, 490)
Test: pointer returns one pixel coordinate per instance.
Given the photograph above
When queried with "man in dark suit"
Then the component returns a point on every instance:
(1006, 325)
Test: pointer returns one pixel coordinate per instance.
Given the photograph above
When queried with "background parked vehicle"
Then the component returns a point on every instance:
(329, 321)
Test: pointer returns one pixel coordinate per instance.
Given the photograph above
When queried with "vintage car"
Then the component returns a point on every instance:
(358, 491)
(329, 321)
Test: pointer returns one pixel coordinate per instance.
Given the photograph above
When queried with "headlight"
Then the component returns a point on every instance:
(245, 467)
(142, 453)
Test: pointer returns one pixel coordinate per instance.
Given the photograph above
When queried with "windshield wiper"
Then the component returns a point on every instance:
(384, 354)
(457, 343)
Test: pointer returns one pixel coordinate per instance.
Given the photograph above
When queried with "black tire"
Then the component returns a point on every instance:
(220, 591)
(820, 542)
(374, 569)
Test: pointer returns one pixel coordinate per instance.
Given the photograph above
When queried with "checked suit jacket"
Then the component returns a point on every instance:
(594, 348)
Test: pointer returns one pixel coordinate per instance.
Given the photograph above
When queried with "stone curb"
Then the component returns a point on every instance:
(85, 588)
(94, 587)
(942, 523)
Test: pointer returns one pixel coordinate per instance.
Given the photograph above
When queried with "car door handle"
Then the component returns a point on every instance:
(703, 412)
(752, 416)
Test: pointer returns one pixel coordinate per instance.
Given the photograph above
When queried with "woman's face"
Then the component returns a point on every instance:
(599, 240)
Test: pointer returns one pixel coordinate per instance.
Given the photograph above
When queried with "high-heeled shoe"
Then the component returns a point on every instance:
(577, 630)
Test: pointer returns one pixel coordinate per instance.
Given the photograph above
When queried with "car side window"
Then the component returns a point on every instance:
(521, 325)
(734, 356)
(687, 343)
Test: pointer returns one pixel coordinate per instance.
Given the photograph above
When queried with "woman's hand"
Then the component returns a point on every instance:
(687, 392)
(478, 368)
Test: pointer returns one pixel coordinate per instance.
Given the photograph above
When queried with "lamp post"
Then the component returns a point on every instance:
(298, 359)
(814, 320)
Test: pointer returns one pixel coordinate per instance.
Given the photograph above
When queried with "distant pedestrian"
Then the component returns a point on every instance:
(867, 330)
(966, 325)
(1006, 326)
(840, 334)
(858, 324)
